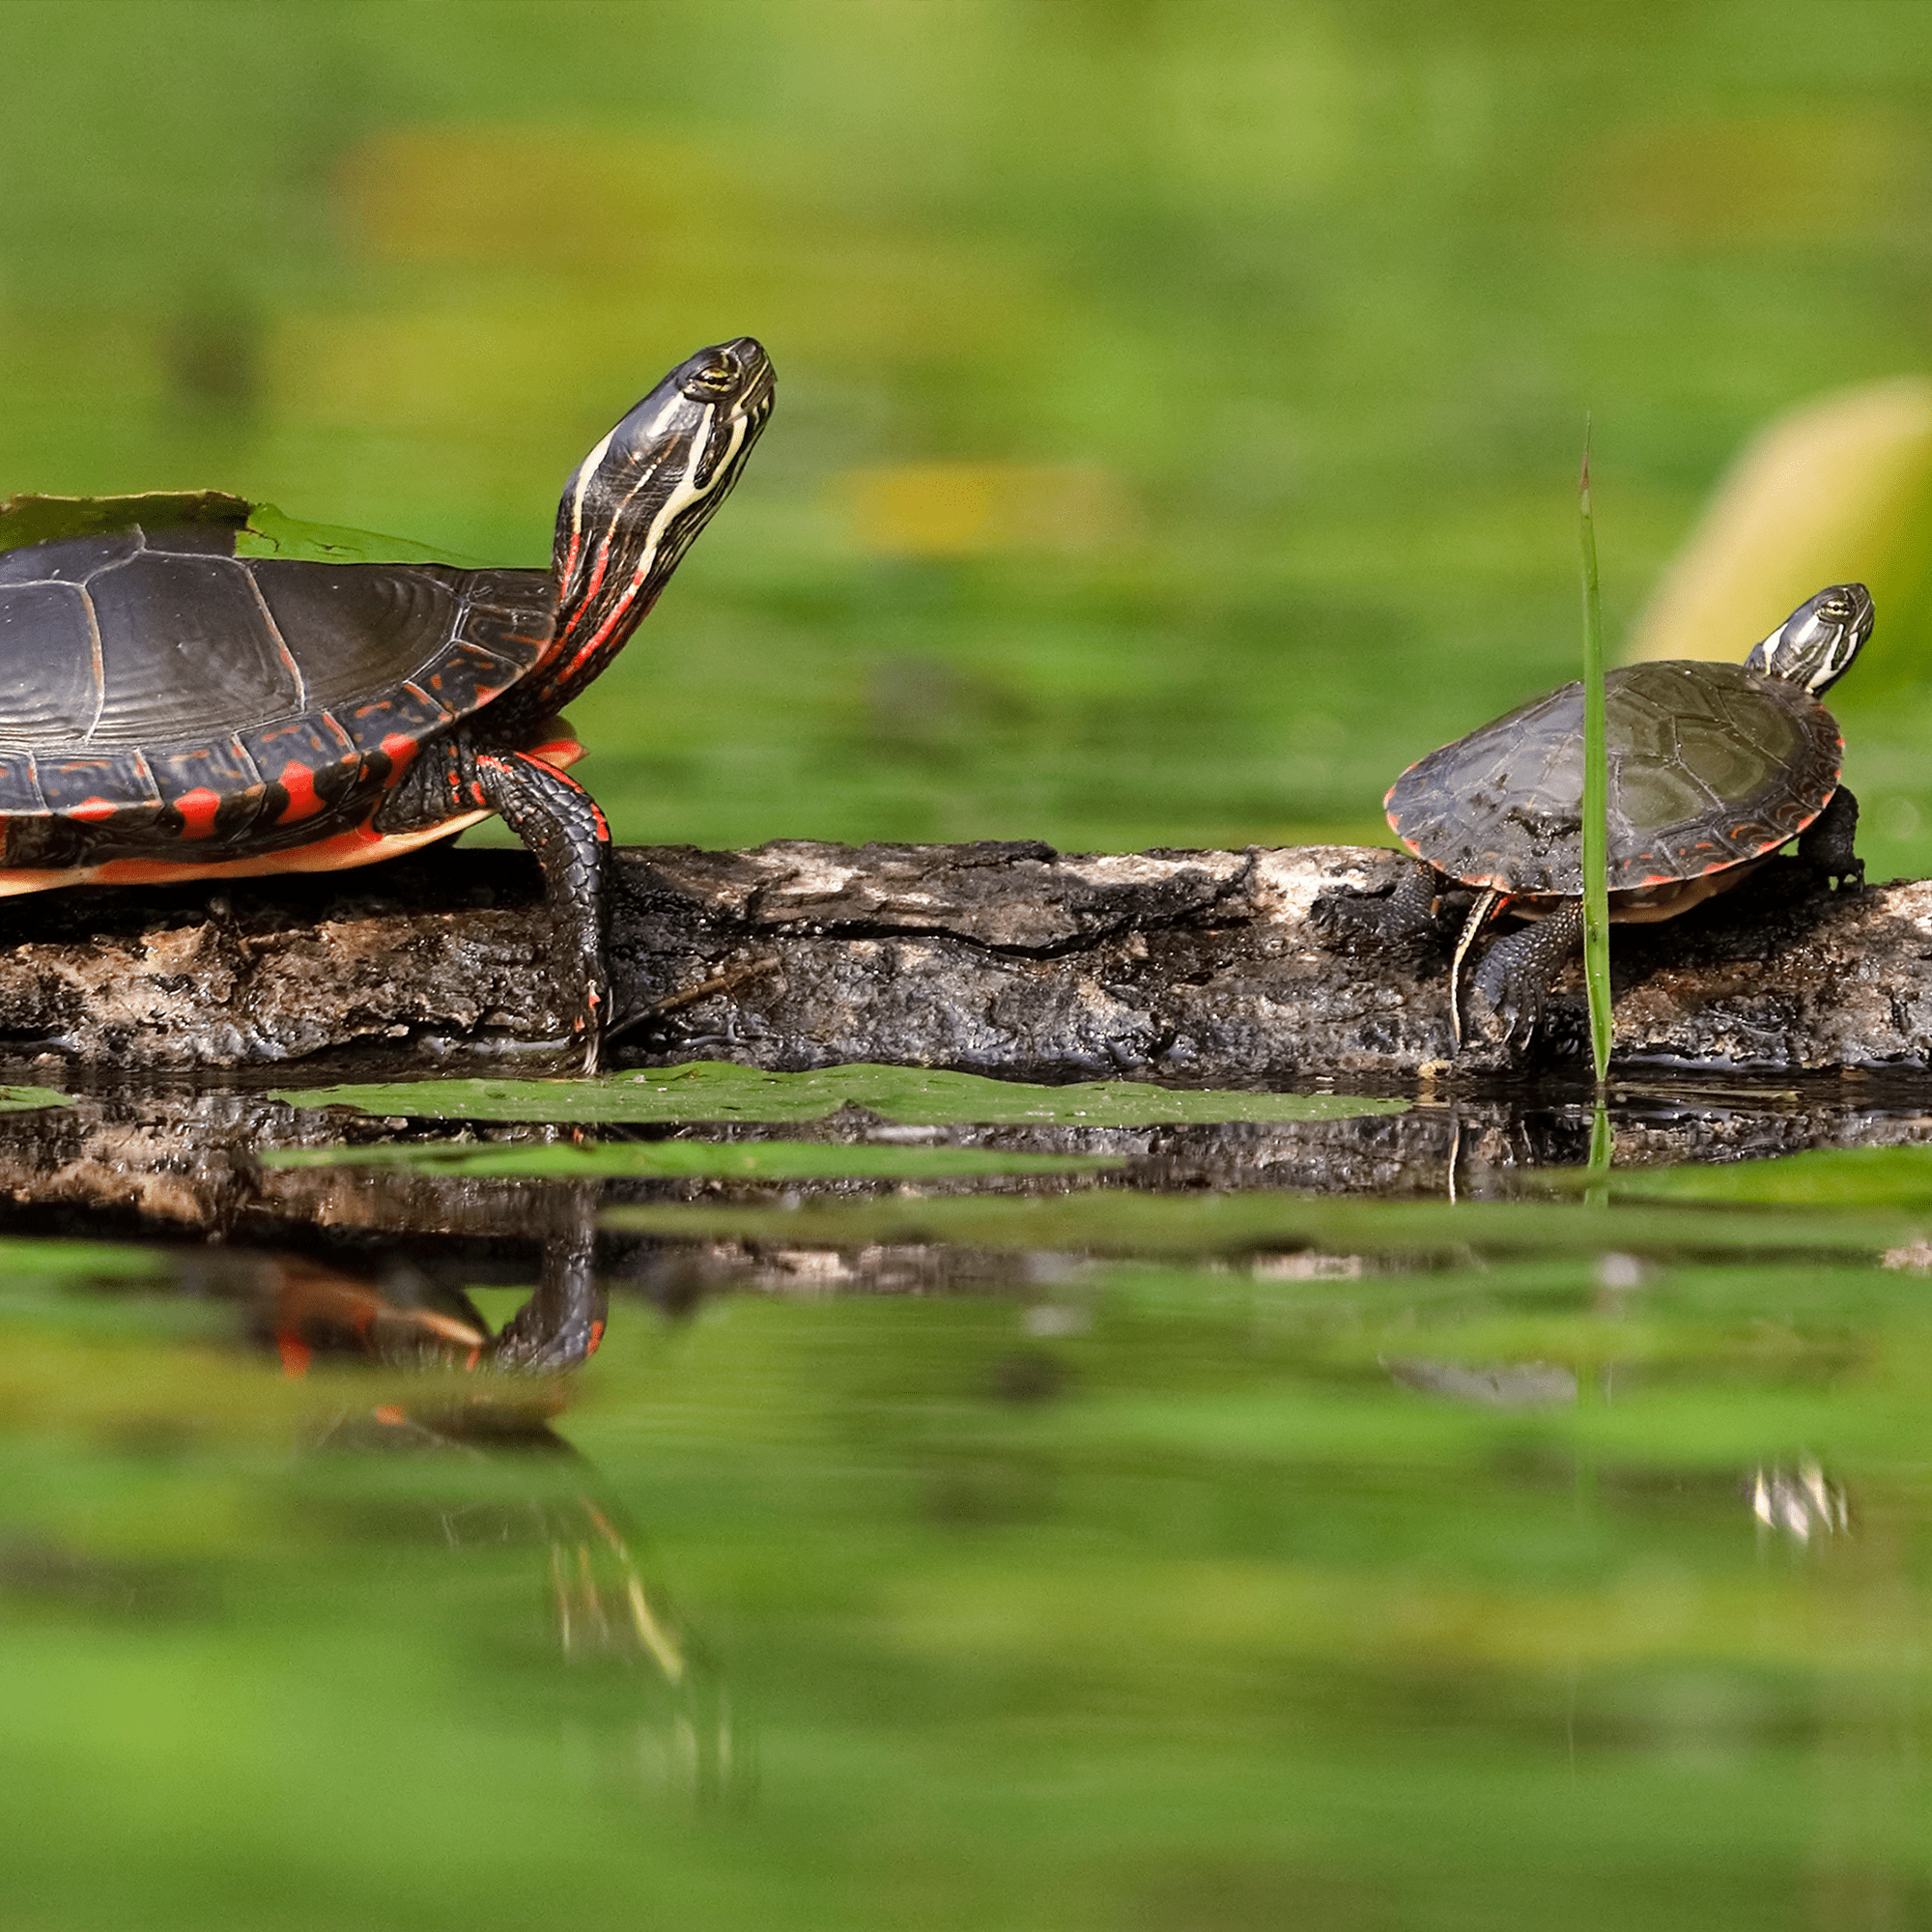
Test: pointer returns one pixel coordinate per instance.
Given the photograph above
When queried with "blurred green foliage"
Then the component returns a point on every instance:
(1178, 397)
(1208, 1595)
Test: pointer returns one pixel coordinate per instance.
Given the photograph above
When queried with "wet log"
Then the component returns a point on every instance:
(1010, 958)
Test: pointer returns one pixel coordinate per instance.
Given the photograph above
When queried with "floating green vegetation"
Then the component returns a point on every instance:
(1896, 1177)
(23, 1099)
(715, 1089)
(1123, 1223)
(752, 1160)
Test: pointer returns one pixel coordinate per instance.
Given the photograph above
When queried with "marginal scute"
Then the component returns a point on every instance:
(1709, 765)
(157, 660)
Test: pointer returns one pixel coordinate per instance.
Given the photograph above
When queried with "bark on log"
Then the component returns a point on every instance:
(1192, 967)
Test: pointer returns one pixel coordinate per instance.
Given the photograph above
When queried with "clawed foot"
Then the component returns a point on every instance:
(1828, 843)
(1502, 1003)
(1405, 922)
(1500, 1012)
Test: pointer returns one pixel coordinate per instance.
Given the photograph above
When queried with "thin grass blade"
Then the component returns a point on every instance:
(1596, 790)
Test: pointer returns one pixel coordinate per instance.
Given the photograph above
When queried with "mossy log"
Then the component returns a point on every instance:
(1004, 958)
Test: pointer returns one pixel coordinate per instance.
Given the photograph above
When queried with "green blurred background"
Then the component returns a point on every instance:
(1179, 399)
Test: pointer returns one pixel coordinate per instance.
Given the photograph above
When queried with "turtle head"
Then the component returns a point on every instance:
(1815, 646)
(637, 500)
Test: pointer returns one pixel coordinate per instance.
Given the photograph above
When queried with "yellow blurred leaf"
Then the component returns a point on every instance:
(967, 509)
(1834, 491)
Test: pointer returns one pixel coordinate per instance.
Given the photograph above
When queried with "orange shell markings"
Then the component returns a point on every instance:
(197, 809)
(299, 781)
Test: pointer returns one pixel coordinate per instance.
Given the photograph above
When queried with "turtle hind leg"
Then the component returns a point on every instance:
(1504, 1004)
(1405, 922)
(1827, 843)
(559, 824)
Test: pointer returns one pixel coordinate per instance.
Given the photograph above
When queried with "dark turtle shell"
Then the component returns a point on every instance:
(1710, 765)
(155, 687)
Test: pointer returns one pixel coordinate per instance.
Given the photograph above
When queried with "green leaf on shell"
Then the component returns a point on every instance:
(711, 1090)
(34, 520)
(748, 1160)
(271, 533)
(261, 528)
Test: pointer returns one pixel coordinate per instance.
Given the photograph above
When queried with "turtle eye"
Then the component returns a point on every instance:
(711, 384)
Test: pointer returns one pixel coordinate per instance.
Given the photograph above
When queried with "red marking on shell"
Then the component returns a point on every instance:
(596, 1338)
(295, 1354)
(299, 781)
(197, 809)
(91, 808)
(399, 748)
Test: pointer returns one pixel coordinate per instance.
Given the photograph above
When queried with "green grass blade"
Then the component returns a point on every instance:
(1597, 1191)
(1596, 790)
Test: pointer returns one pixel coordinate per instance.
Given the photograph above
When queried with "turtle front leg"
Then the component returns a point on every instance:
(1506, 990)
(561, 1324)
(1405, 922)
(558, 821)
(560, 824)
(1827, 841)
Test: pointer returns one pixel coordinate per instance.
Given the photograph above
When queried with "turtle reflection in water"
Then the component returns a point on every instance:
(492, 1473)
(175, 711)
(1712, 768)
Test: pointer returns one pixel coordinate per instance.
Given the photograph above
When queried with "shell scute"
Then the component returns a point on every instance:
(1710, 765)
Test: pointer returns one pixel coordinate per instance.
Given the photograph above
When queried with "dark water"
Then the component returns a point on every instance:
(1094, 1527)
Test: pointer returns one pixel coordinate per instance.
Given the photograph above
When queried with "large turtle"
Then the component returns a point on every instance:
(170, 710)
(1712, 768)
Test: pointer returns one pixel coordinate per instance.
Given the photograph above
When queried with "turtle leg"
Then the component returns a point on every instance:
(561, 1324)
(1402, 922)
(560, 823)
(1479, 914)
(1827, 841)
(1506, 990)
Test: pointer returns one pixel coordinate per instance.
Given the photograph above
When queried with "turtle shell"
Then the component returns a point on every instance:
(1710, 765)
(157, 690)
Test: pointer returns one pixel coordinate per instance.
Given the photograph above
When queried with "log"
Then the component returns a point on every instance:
(1008, 959)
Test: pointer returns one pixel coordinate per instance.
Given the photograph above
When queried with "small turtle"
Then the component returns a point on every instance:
(170, 710)
(1712, 768)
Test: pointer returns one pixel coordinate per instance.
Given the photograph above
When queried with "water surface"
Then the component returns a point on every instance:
(967, 1523)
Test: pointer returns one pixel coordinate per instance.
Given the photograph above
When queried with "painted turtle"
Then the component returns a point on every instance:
(1712, 768)
(174, 711)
